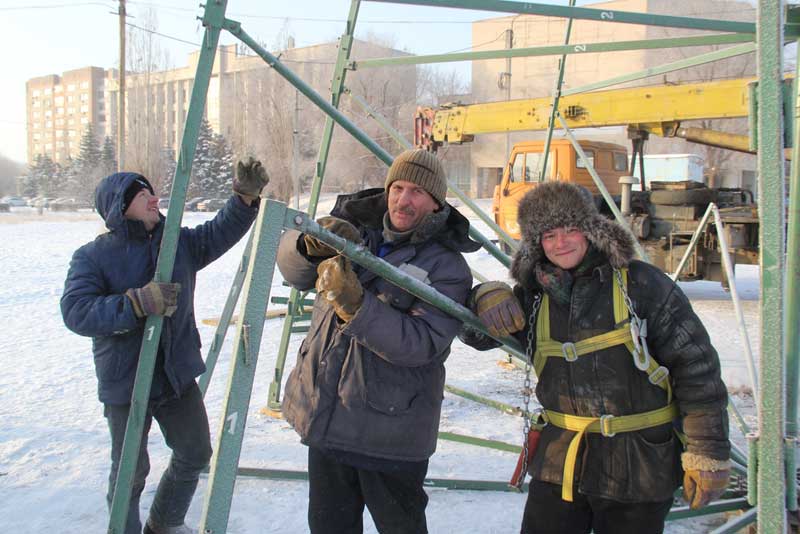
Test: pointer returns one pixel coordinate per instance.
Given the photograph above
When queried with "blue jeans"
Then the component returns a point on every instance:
(184, 424)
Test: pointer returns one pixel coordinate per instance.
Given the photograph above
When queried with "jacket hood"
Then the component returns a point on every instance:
(109, 197)
(559, 204)
(366, 208)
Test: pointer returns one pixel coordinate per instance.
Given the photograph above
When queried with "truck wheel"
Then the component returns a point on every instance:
(683, 197)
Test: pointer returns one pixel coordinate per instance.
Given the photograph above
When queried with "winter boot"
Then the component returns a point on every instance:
(152, 528)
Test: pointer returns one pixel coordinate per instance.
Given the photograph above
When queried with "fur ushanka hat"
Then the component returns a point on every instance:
(553, 205)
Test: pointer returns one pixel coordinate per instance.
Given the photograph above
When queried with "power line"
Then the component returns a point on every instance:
(56, 6)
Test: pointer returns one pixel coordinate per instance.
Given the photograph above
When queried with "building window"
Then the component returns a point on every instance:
(84, 120)
(84, 109)
(84, 85)
(84, 97)
(72, 133)
(60, 111)
(48, 91)
(59, 133)
(36, 92)
(71, 87)
(36, 114)
(70, 99)
(48, 124)
(37, 104)
(59, 100)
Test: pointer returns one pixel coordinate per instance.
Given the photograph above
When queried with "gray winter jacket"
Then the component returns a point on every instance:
(374, 386)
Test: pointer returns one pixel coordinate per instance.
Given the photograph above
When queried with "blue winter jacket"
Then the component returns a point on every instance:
(94, 302)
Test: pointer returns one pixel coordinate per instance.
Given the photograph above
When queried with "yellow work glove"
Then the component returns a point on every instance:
(704, 479)
(339, 285)
(498, 309)
(340, 227)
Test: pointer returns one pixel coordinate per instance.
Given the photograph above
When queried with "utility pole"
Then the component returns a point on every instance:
(121, 92)
(295, 132)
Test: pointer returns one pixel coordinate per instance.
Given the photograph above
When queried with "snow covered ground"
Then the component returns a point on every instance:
(54, 450)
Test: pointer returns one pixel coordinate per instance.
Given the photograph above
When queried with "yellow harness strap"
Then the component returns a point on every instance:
(607, 425)
(546, 347)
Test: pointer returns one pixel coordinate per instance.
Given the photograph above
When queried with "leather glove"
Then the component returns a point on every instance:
(498, 308)
(704, 479)
(250, 178)
(339, 285)
(340, 227)
(156, 298)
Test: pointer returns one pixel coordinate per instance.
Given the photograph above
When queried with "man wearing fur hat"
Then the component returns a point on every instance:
(625, 372)
(108, 294)
(366, 392)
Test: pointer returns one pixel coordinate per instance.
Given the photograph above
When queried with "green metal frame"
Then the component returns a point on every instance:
(337, 87)
(212, 20)
(771, 450)
(772, 398)
(555, 50)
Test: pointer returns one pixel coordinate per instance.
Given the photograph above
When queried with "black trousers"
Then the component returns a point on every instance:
(546, 513)
(184, 424)
(338, 494)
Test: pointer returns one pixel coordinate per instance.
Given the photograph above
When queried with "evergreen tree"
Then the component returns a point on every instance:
(221, 179)
(167, 171)
(40, 177)
(202, 163)
(88, 169)
(108, 158)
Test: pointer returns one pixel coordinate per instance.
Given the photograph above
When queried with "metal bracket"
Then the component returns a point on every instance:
(569, 351)
(605, 425)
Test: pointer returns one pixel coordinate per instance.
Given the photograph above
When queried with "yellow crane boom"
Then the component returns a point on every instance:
(655, 109)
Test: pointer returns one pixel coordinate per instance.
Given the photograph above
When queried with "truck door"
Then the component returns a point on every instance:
(520, 176)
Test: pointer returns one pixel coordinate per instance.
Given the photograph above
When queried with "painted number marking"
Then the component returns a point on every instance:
(580, 48)
(607, 15)
(232, 418)
(150, 332)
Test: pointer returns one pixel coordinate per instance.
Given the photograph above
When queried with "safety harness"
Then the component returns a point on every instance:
(631, 331)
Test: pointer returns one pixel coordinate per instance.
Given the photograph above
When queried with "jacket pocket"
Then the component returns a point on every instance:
(391, 389)
(654, 470)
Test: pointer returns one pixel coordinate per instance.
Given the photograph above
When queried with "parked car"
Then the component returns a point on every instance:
(4, 206)
(16, 202)
(40, 202)
(191, 205)
(212, 204)
(163, 203)
(67, 204)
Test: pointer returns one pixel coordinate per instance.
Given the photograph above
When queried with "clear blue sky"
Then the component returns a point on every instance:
(40, 37)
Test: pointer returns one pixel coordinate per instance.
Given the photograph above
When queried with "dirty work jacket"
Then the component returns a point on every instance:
(374, 386)
(643, 465)
(94, 302)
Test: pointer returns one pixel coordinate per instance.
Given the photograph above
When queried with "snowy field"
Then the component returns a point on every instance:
(54, 450)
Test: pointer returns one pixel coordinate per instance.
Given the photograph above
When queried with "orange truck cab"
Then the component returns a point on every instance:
(521, 173)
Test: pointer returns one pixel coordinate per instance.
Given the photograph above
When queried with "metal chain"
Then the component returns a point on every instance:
(626, 298)
(526, 390)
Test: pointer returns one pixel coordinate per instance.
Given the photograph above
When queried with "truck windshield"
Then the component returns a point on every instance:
(526, 167)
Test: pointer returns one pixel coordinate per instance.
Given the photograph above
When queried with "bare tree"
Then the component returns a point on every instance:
(146, 135)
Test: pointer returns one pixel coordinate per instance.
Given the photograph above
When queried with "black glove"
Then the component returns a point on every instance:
(340, 227)
(250, 179)
(156, 298)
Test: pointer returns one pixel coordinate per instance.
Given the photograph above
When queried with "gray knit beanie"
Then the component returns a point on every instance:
(422, 168)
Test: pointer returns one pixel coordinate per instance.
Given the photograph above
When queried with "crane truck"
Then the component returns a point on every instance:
(664, 214)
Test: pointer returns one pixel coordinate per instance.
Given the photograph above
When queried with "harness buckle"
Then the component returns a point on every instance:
(569, 351)
(605, 425)
(659, 375)
(538, 418)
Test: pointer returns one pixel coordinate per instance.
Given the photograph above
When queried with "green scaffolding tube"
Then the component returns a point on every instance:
(212, 20)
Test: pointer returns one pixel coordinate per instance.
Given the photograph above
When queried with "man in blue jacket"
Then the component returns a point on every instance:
(108, 294)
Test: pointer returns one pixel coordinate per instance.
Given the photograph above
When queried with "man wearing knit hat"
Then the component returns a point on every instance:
(624, 367)
(108, 294)
(366, 392)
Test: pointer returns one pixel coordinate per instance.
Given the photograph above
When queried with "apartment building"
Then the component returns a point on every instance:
(60, 108)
